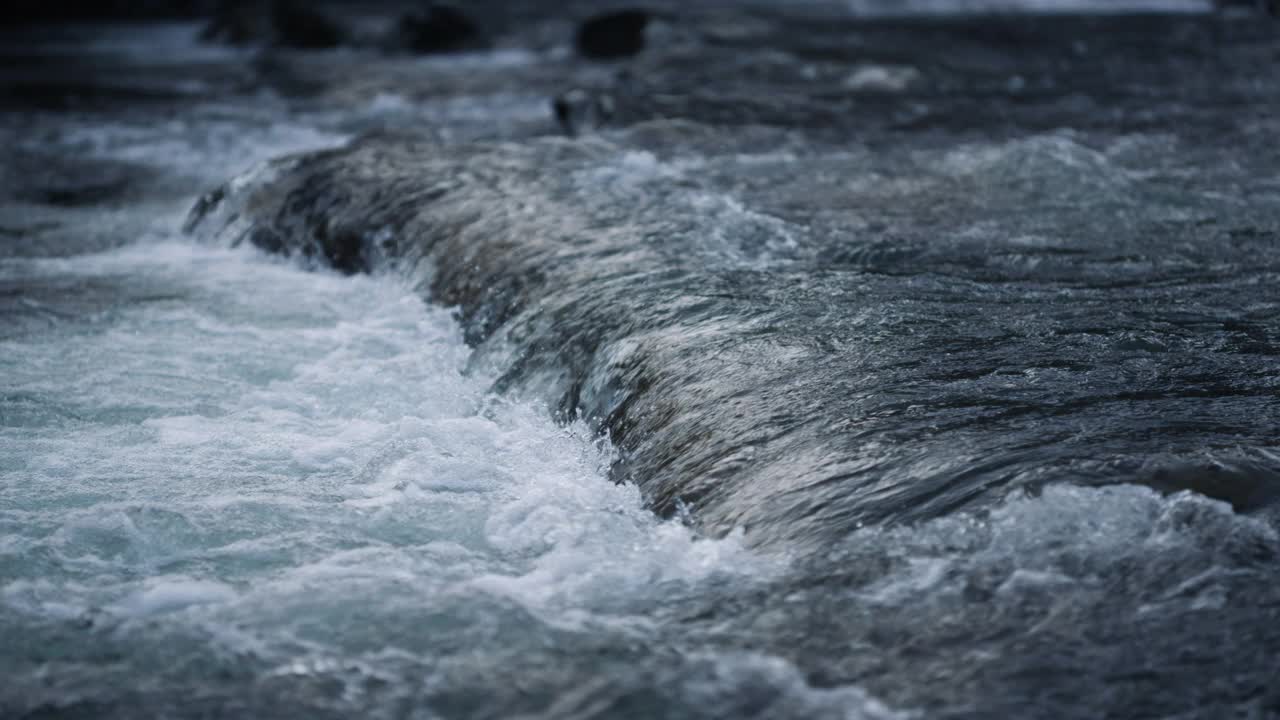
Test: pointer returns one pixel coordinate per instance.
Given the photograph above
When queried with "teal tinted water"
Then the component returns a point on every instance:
(238, 473)
(229, 487)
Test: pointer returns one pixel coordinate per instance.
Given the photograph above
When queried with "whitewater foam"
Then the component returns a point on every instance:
(265, 449)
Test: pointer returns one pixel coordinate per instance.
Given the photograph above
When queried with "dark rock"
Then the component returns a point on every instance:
(1245, 483)
(1265, 7)
(298, 25)
(237, 23)
(579, 111)
(203, 206)
(284, 23)
(613, 35)
(440, 28)
(24, 12)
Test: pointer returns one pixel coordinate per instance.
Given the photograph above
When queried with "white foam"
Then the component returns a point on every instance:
(1066, 538)
(882, 78)
(170, 594)
(269, 440)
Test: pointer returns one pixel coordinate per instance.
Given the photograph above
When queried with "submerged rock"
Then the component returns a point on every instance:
(434, 28)
(760, 349)
(439, 28)
(580, 111)
(1267, 7)
(237, 23)
(1244, 482)
(613, 35)
(283, 23)
(22, 12)
(302, 26)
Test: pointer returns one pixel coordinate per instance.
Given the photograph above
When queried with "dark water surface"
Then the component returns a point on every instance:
(807, 366)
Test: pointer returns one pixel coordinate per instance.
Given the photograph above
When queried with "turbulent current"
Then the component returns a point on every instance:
(807, 365)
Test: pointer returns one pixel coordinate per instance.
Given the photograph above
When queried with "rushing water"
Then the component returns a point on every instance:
(229, 477)
(232, 486)
(950, 375)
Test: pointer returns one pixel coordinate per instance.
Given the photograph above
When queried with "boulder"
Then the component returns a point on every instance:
(438, 29)
(1265, 7)
(24, 12)
(613, 35)
(283, 23)
(237, 23)
(299, 25)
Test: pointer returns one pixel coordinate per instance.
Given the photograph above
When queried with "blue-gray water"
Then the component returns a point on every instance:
(832, 371)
